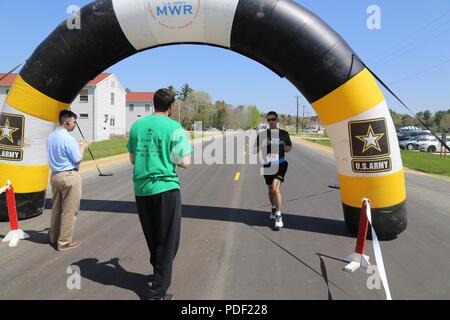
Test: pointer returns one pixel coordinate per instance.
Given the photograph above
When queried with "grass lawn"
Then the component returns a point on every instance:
(111, 147)
(426, 162)
(107, 148)
(420, 161)
(323, 142)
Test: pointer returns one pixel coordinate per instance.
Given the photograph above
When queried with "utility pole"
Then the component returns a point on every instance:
(303, 122)
(179, 117)
(297, 111)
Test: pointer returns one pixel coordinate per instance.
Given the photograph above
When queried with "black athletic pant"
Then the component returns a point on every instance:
(160, 217)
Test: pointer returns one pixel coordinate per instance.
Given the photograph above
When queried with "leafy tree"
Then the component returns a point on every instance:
(407, 120)
(221, 115)
(397, 118)
(445, 122)
(201, 107)
(185, 91)
(254, 117)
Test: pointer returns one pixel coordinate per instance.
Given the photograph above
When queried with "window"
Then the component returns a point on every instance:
(131, 107)
(7, 91)
(147, 108)
(113, 84)
(112, 122)
(84, 116)
(139, 116)
(112, 98)
(84, 95)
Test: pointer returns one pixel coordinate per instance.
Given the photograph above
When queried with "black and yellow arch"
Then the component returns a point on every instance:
(279, 34)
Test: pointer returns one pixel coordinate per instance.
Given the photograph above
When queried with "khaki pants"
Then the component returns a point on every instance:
(66, 188)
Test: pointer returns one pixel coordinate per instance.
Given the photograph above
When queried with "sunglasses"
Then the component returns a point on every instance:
(272, 119)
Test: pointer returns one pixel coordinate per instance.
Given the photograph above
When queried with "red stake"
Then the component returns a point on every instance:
(12, 210)
(363, 228)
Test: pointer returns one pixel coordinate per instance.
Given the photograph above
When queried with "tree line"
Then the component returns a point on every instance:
(438, 121)
(192, 106)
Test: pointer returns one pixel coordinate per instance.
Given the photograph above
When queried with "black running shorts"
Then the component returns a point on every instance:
(282, 169)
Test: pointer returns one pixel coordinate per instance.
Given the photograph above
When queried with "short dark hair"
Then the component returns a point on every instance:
(163, 99)
(273, 113)
(66, 114)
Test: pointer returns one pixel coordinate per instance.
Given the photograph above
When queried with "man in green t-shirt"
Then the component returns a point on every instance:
(157, 145)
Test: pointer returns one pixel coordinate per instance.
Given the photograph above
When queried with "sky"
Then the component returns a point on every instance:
(411, 53)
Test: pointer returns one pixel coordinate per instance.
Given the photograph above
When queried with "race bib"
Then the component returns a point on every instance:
(276, 142)
(271, 157)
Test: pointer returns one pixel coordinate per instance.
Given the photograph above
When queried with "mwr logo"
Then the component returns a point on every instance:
(11, 130)
(369, 138)
(175, 14)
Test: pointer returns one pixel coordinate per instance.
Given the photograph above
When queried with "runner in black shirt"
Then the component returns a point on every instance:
(274, 144)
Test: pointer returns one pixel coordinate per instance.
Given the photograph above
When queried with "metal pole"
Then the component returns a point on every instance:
(303, 122)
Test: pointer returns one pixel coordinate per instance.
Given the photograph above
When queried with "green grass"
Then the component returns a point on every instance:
(323, 142)
(420, 161)
(107, 148)
(110, 148)
(426, 162)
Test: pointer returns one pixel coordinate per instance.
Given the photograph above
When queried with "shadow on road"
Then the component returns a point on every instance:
(111, 273)
(39, 237)
(249, 217)
(102, 206)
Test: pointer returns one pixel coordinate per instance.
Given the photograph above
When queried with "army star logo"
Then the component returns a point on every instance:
(371, 140)
(7, 131)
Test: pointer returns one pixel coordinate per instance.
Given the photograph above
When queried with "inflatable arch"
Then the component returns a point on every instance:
(279, 34)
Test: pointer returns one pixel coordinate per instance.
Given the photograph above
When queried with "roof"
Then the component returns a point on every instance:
(9, 80)
(140, 96)
(99, 78)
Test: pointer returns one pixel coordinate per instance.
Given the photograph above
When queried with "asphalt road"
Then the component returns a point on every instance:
(229, 249)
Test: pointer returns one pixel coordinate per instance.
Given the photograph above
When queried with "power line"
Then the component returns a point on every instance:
(414, 47)
(443, 143)
(7, 74)
(422, 72)
(405, 40)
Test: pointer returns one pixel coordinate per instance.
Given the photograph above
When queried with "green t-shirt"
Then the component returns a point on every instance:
(157, 143)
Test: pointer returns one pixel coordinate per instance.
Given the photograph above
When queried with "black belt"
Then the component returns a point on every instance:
(74, 169)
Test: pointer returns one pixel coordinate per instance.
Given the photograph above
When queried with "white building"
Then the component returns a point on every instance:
(139, 104)
(100, 107)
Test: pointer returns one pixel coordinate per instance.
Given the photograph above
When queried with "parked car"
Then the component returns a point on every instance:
(311, 129)
(410, 142)
(432, 145)
(424, 140)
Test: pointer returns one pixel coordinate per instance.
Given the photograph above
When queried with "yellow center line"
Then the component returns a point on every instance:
(237, 176)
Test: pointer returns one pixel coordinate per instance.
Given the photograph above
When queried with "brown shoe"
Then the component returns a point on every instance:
(74, 244)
